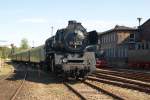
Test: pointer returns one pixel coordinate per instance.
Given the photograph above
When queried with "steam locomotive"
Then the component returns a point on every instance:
(65, 54)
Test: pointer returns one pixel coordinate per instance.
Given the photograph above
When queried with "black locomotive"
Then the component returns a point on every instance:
(65, 53)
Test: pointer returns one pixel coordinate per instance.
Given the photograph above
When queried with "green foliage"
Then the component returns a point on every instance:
(24, 44)
(5, 52)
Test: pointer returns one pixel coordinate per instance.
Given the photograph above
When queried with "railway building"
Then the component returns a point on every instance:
(139, 53)
(123, 44)
(144, 35)
(115, 44)
(142, 40)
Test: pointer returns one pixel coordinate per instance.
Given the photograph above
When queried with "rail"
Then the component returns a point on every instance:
(18, 90)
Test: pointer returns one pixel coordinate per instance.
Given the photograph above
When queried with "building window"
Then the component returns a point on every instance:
(146, 46)
(99, 42)
(132, 38)
(108, 38)
(106, 52)
(111, 38)
(131, 35)
(104, 39)
(125, 52)
(114, 52)
(138, 46)
(114, 37)
(110, 52)
(119, 52)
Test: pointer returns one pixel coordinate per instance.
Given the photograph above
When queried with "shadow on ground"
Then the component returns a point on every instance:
(35, 75)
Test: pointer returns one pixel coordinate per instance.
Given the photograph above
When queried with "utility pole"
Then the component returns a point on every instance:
(139, 19)
(33, 44)
(12, 48)
(52, 30)
(52, 33)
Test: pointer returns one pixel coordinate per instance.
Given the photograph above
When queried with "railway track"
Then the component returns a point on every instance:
(88, 91)
(11, 85)
(128, 70)
(6, 76)
(19, 88)
(121, 81)
(135, 75)
(75, 91)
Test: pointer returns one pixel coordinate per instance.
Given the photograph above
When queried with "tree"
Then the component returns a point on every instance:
(4, 52)
(24, 44)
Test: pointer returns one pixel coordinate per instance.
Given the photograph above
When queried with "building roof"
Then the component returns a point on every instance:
(119, 28)
(148, 21)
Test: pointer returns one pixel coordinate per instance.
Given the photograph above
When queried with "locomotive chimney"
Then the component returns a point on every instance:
(71, 22)
(78, 23)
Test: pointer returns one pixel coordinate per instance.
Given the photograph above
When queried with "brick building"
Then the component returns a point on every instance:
(143, 41)
(114, 43)
(139, 54)
(144, 31)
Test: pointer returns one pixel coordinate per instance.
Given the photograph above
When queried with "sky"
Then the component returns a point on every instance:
(33, 19)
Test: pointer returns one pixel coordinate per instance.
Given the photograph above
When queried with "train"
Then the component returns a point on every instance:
(66, 53)
(99, 56)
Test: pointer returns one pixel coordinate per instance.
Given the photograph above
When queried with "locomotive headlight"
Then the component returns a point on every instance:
(64, 60)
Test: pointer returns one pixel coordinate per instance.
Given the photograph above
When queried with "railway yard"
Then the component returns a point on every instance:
(74, 50)
(24, 83)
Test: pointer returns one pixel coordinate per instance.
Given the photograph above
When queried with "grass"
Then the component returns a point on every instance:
(4, 68)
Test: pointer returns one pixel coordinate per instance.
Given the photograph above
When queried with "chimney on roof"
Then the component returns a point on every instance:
(117, 26)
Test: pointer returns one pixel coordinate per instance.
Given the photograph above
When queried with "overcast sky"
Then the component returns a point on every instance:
(33, 19)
